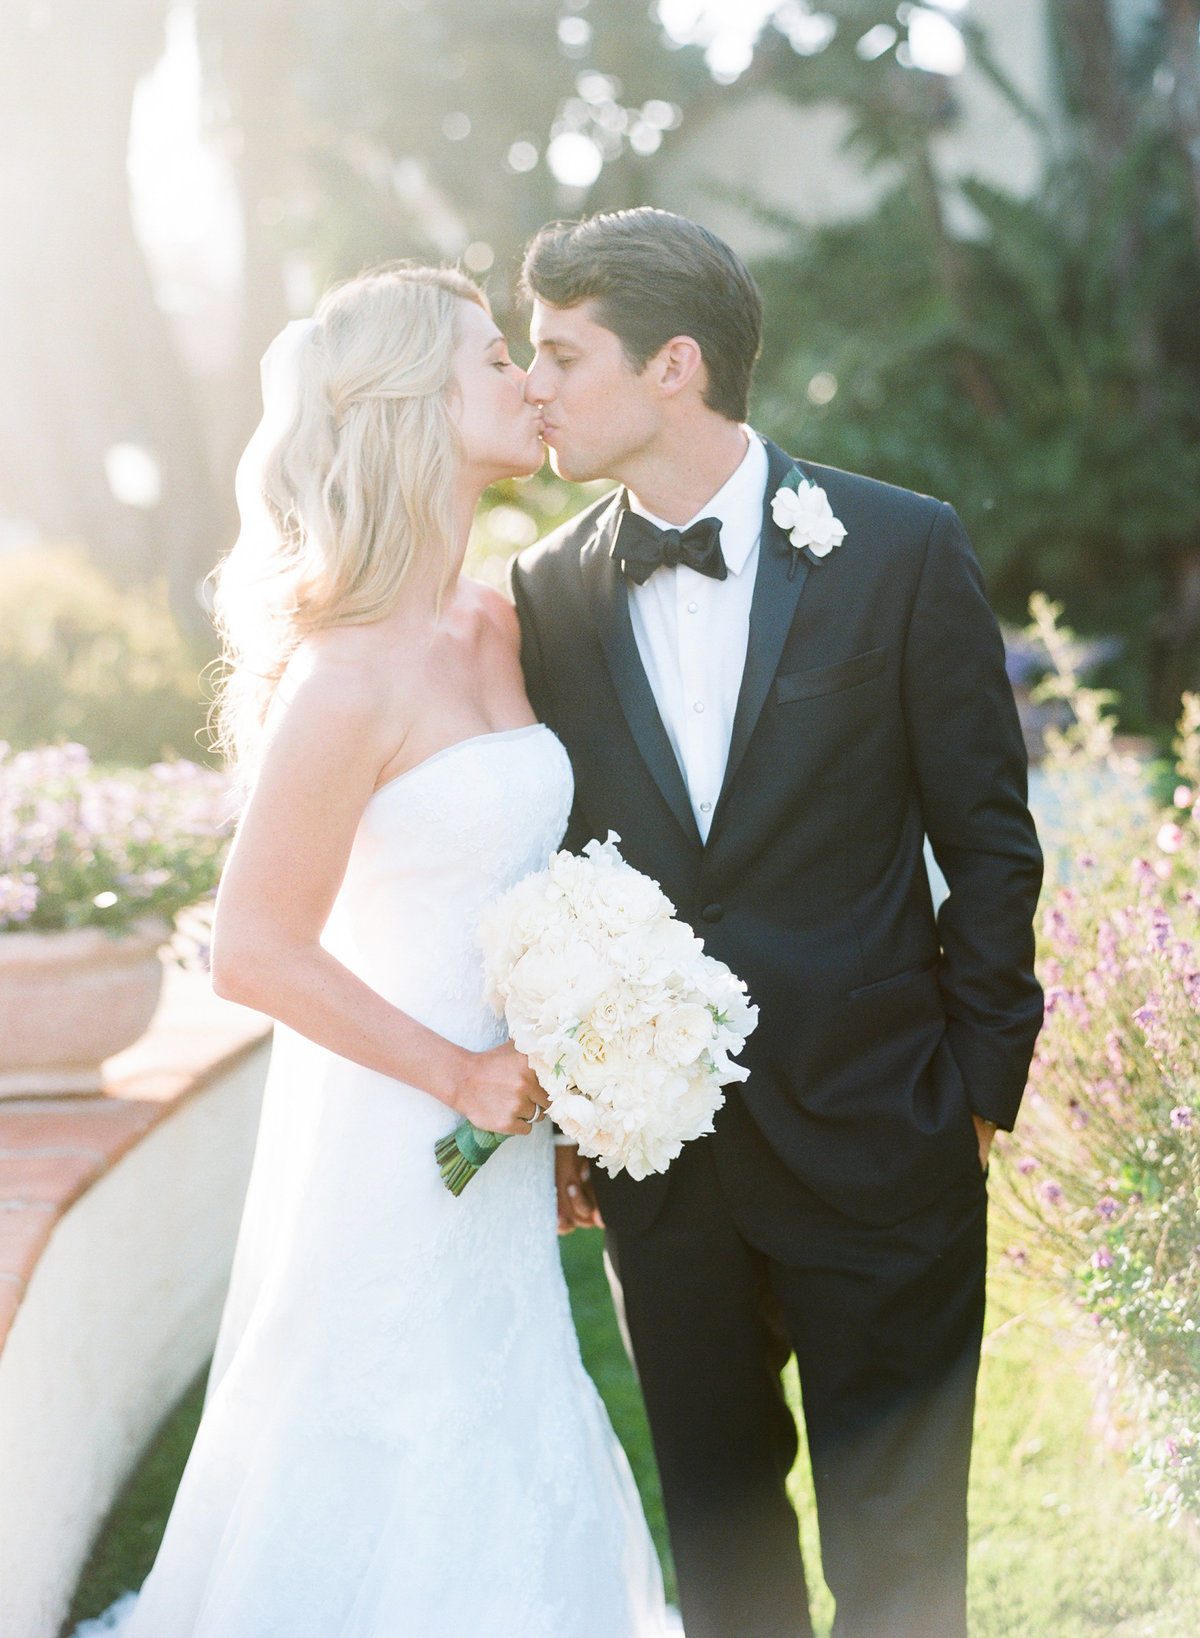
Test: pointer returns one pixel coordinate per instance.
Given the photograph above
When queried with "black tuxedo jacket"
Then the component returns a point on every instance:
(874, 710)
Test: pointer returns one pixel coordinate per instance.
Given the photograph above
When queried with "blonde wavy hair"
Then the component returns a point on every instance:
(357, 490)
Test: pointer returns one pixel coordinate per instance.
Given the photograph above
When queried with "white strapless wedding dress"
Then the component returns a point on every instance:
(399, 1439)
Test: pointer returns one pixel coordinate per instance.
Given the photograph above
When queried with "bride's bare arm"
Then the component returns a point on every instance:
(317, 774)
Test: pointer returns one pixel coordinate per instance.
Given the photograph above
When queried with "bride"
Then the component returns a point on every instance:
(399, 1438)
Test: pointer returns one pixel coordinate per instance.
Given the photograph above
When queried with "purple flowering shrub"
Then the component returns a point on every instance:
(1105, 1164)
(82, 848)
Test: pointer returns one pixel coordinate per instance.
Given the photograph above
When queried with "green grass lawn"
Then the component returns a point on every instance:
(125, 1548)
(1059, 1549)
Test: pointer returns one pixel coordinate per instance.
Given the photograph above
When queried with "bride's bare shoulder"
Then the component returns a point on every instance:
(493, 610)
(341, 672)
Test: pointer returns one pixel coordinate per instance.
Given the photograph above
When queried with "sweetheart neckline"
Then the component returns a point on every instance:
(457, 745)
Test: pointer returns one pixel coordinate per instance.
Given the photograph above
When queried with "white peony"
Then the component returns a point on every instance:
(808, 518)
(653, 958)
(554, 984)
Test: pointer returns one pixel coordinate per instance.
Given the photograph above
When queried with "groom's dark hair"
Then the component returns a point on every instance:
(654, 275)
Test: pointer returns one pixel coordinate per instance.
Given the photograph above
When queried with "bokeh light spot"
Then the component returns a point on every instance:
(134, 476)
(522, 156)
(574, 34)
(934, 44)
(574, 159)
(478, 256)
(645, 139)
(876, 41)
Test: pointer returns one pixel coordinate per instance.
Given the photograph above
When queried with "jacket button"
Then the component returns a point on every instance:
(712, 912)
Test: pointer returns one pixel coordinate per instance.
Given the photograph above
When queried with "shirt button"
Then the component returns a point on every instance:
(699, 706)
(692, 607)
(706, 807)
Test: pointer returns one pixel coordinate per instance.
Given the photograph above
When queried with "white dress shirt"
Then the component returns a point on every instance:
(691, 632)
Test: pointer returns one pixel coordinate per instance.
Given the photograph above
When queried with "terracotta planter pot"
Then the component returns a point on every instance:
(70, 999)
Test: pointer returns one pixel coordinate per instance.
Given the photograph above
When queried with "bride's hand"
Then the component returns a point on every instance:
(498, 1092)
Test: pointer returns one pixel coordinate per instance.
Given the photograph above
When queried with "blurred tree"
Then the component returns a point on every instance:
(1042, 374)
(364, 131)
(359, 130)
(251, 58)
(371, 129)
(92, 396)
(1183, 65)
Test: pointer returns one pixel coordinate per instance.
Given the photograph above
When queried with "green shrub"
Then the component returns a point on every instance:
(519, 511)
(81, 660)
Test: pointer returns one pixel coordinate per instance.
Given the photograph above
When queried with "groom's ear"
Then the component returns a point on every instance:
(677, 364)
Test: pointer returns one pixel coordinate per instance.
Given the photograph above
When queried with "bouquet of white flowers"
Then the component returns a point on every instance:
(627, 1024)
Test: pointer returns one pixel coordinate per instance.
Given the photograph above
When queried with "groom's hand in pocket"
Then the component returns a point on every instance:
(985, 1131)
(576, 1201)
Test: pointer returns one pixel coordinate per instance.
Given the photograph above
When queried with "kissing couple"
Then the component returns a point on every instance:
(774, 681)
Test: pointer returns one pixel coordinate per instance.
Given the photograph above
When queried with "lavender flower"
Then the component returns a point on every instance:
(1051, 1193)
(81, 848)
(1181, 1118)
(1057, 927)
(1102, 1257)
(1141, 873)
(1108, 1207)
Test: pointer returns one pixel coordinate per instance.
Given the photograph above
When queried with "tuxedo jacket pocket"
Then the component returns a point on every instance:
(830, 679)
(896, 981)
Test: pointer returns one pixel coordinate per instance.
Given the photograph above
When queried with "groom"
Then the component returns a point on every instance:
(773, 718)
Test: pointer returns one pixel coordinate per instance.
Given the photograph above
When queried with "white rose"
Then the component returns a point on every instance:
(808, 517)
(639, 1041)
(609, 1013)
(592, 1061)
(681, 1034)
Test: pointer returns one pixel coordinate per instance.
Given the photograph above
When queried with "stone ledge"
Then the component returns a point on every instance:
(52, 1149)
(118, 1218)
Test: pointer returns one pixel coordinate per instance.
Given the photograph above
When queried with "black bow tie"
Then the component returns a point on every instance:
(640, 547)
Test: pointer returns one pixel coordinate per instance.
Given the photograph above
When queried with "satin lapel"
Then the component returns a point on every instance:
(608, 601)
(778, 583)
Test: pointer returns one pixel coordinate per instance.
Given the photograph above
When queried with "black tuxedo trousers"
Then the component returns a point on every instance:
(838, 1209)
(885, 1323)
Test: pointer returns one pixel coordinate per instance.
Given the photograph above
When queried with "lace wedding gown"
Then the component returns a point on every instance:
(399, 1439)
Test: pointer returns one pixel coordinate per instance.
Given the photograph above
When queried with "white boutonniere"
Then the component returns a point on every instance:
(802, 509)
